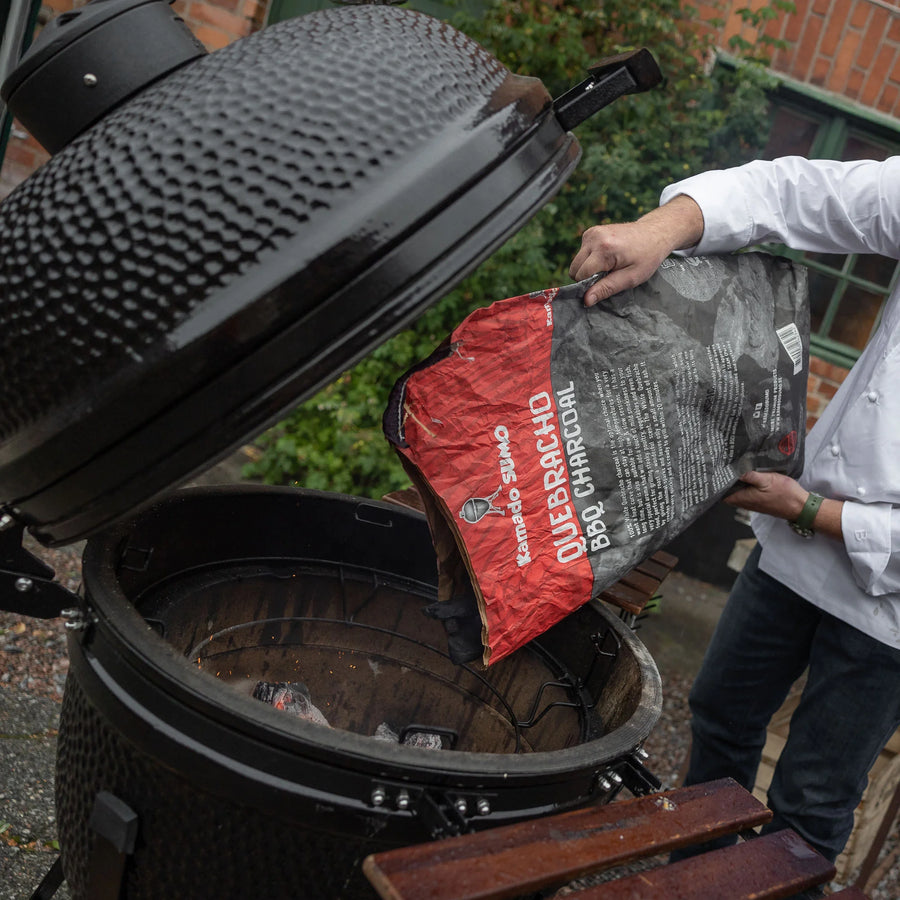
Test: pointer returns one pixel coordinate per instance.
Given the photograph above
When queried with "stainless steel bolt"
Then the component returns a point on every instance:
(5, 522)
(604, 785)
(615, 777)
(642, 753)
(483, 807)
(403, 800)
(90, 80)
(461, 806)
(378, 797)
(24, 585)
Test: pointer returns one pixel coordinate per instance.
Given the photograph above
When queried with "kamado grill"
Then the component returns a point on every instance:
(216, 237)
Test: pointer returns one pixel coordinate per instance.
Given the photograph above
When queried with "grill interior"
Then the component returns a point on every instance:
(361, 644)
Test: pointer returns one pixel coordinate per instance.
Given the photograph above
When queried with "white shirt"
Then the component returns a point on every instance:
(853, 451)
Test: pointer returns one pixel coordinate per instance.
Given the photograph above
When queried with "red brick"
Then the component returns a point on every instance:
(894, 30)
(843, 62)
(822, 7)
(795, 22)
(222, 19)
(806, 48)
(877, 73)
(211, 38)
(855, 79)
(826, 370)
(888, 99)
(810, 421)
(835, 31)
(859, 17)
(820, 72)
(828, 390)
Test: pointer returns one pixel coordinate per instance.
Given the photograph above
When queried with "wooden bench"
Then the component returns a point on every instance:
(546, 853)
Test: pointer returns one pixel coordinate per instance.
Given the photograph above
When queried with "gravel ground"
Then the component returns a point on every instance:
(33, 657)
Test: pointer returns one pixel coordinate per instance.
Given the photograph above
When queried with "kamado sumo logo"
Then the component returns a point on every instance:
(788, 444)
(476, 508)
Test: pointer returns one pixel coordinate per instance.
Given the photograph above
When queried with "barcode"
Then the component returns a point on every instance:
(790, 340)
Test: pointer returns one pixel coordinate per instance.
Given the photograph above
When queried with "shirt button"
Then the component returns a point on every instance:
(835, 450)
(872, 396)
(861, 491)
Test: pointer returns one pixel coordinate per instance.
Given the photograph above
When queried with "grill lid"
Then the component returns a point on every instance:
(224, 242)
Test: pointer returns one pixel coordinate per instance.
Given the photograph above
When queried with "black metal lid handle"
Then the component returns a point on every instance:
(611, 78)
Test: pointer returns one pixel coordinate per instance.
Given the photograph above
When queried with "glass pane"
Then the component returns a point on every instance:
(856, 317)
(821, 290)
(874, 268)
(857, 147)
(832, 260)
(792, 134)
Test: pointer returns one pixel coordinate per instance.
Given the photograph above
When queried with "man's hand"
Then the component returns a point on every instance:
(630, 253)
(783, 497)
(770, 493)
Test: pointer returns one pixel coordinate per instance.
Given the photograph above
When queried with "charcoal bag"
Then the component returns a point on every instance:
(556, 446)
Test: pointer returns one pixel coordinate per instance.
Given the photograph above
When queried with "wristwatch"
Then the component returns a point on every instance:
(803, 523)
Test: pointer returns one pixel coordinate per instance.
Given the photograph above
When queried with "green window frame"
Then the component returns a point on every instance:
(847, 292)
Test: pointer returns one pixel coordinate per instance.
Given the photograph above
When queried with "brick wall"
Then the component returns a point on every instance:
(846, 47)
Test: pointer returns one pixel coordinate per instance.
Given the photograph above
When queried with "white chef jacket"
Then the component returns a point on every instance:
(853, 451)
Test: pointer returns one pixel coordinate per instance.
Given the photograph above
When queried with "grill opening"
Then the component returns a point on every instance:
(369, 656)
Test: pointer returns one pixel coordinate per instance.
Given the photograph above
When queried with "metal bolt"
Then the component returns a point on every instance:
(615, 777)
(461, 806)
(90, 80)
(5, 522)
(483, 807)
(604, 784)
(76, 624)
(642, 753)
(378, 795)
(24, 585)
(403, 800)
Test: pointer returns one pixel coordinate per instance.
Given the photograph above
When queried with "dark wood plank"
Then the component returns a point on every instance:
(515, 859)
(625, 597)
(775, 865)
(646, 584)
(851, 893)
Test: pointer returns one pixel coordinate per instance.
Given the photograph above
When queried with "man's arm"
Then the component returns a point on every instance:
(630, 253)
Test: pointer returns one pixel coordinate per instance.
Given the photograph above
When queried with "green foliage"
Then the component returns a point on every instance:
(632, 149)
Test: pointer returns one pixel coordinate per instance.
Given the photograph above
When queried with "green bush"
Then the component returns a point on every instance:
(632, 149)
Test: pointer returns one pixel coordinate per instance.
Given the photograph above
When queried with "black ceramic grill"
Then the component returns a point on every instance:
(214, 238)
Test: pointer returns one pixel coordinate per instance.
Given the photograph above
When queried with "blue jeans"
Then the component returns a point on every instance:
(766, 638)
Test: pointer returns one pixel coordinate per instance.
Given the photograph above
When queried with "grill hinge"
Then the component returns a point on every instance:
(26, 583)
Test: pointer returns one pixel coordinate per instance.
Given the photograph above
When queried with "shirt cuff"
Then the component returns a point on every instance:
(866, 528)
(727, 223)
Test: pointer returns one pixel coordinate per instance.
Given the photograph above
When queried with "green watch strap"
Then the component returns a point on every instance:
(808, 513)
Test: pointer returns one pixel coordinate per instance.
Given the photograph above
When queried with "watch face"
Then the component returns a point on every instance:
(803, 532)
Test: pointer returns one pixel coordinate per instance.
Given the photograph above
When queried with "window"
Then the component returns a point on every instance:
(847, 293)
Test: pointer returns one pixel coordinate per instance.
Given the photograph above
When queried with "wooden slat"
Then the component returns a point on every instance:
(625, 597)
(775, 865)
(515, 859)
(851, 893)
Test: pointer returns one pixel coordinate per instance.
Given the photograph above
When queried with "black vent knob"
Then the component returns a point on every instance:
(88, 61)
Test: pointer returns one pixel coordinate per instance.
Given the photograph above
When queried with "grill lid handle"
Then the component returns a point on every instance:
(628, 73)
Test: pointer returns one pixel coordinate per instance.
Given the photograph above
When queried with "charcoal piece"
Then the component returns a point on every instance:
(290, 697)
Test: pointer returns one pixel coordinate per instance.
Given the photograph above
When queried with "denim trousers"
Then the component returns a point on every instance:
(766, 638)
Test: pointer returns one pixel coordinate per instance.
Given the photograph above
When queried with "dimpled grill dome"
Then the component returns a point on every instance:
(239, 233)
